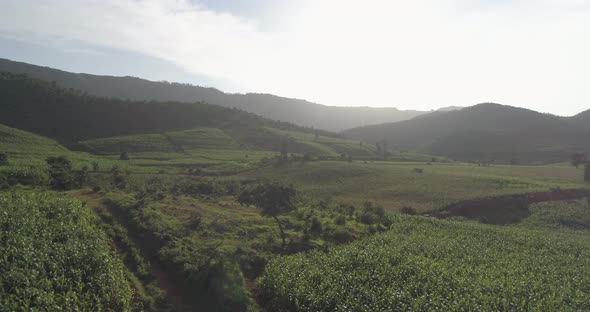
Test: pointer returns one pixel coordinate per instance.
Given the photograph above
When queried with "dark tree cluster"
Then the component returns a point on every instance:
(71, 116)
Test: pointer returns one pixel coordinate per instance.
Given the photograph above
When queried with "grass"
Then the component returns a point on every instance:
(425, 264)
(572, 215)
(214, 249)
(396, 184)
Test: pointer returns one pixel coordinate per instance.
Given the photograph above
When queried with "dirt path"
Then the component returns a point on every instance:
(175, 294)
(506, 209)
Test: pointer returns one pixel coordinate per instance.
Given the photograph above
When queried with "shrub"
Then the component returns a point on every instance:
(340, 220)
(60, 173)
(24, 176)
(343, 236)
(316, 225)
(118, 177)
(124, 156)
(3, 159)
(408, 210)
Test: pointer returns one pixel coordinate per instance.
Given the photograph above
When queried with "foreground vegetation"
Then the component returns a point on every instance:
(55, 258)
(425, 264)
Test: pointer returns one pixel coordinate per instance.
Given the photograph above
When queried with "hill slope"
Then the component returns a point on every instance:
(582, 119)
(270, 106)
(69, 116)
(483, 132)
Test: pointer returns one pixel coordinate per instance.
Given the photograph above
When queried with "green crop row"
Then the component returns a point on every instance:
(54, 258)
(423, 264)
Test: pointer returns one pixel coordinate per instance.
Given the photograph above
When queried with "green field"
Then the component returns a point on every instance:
(171, 215)
(55, 258)
(396, 184)
(423, 264)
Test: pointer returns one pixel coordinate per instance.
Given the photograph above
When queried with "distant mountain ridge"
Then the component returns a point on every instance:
(489, 131)
(274, 107)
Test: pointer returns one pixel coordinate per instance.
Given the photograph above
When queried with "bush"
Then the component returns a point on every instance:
(343, 236)
(60, 173)
(316, 225)
(408, 210)
(124, 156)
(371, 213)
(340, 220)
(24, 176)
(3, 159)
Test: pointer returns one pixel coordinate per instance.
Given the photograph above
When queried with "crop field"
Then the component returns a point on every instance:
(54, 257)
(397, 184)
(426, 264)
(571, 215)
(172, 215)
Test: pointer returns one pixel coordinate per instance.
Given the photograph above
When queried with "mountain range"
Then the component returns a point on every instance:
(73, 107)
(274, 107)
(486, 132)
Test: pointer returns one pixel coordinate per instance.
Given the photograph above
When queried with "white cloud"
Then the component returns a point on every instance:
(411, 54)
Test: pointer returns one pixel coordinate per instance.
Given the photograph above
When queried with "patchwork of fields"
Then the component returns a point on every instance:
(183, 241)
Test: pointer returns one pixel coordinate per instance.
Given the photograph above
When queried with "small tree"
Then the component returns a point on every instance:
(124, 156)
(587, 172)
(577, 159)
(81, 177)
(273, 199)
(95, 167)
(118, 177)
(60, 172)
(3, 159)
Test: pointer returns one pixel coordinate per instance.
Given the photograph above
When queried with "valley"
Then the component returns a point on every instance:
(191, 206)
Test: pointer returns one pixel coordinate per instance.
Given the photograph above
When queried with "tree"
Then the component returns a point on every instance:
(60, 172)
(3, 159)
(81, 177)
(95, 167)
(587, 172)
(124, 156)
(118, 177)
(273, 199)
(577, 159)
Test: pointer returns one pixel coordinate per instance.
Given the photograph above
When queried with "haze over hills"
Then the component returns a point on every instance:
(582, 119)
(297, 111)
(490, 132)
(108, 125)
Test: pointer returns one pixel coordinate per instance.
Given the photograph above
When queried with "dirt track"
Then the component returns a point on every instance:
(506, 209)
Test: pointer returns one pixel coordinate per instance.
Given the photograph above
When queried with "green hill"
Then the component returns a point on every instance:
(20, 143)
(70, 116)
(297, 111)
(490, 132)
(582, 119)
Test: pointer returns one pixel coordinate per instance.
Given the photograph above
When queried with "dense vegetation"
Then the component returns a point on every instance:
(70, 116)
(270, 106)
(184, 207)
(424, 264)
(54, 257)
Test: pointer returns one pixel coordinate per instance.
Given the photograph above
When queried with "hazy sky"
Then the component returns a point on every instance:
(418, 54)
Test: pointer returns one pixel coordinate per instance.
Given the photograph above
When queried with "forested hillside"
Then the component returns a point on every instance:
(489, 132)
(297, 111)
(70, 116)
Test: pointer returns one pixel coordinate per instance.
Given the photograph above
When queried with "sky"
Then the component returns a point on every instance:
(419, 54)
